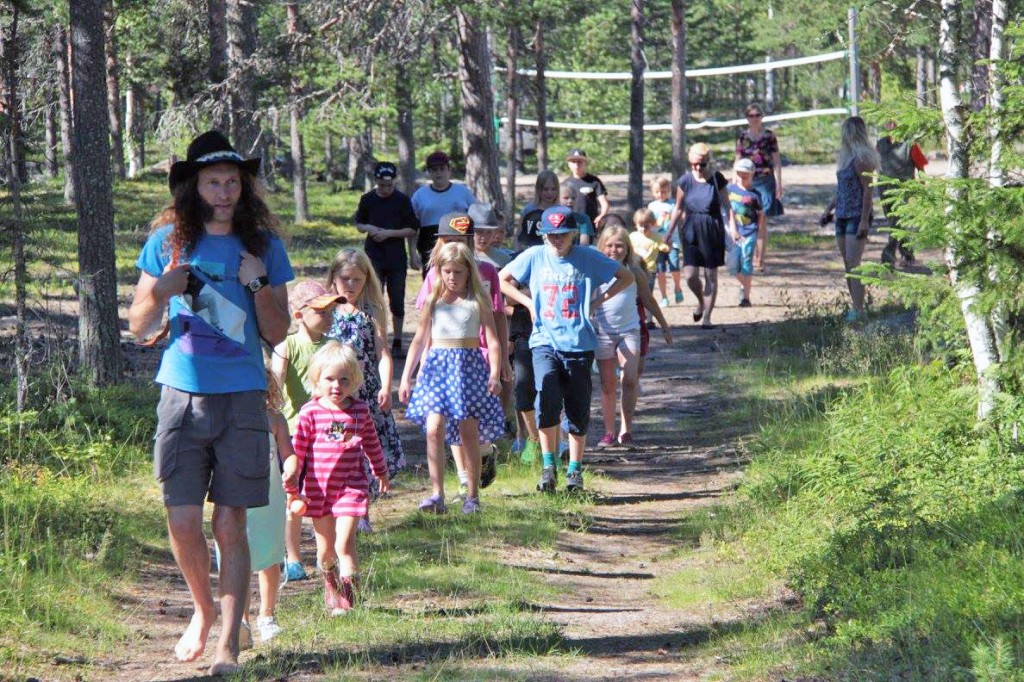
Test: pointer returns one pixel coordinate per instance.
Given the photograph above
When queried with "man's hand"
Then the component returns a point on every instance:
(172, 282)
(250, 268)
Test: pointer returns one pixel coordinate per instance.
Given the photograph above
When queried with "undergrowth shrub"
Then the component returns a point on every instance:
(899, 520)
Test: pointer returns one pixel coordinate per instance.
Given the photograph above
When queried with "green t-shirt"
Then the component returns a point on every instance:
(296, 389)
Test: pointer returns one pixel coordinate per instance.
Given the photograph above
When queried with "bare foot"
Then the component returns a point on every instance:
(224, 668)
(193, 640)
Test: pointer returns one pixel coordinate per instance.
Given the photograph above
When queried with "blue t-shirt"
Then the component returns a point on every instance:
(562, 289)
(214, 344)
(746, 207)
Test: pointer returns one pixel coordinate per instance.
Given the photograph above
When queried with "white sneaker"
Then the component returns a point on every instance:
(268, 628)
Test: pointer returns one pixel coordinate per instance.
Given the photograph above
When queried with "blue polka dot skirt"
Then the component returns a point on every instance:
(453, 383)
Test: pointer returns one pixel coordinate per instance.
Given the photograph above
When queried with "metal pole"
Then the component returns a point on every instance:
(854, 65)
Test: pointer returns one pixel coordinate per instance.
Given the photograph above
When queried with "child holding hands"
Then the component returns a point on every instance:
(334, 434)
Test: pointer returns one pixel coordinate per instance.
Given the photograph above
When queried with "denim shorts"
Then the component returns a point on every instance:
(563, 378)
(847, 226)
(669, 262)
(212, 447)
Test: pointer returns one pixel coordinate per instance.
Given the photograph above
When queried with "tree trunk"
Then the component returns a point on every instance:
(50, 153)
(679, 94)
(875, 81)
(635, 192)
(220, 115)
(295, 116)
(512, 112)
(406, 132)
(98, 324)
(542, 97)
(9, 78)
(996, 172)
(478, 142)
(979, 48)
(329, 156)
(113, 90)
(135, 124)
(980, 335)
(361, 161)
(921, 78)
(61, 55)
(241, 32)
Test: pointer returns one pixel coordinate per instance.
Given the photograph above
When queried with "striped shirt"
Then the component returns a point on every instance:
(333, 442)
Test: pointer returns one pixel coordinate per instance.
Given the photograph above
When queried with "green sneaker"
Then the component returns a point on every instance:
(530, 453)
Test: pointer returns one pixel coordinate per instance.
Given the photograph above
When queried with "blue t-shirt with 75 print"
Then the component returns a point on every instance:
(214, 344)
(562, 289)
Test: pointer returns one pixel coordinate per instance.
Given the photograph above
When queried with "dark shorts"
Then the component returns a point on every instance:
(522, 365)
(563, 379)
(847, 226)
(392, 279)
(668, 262)
(212, 447)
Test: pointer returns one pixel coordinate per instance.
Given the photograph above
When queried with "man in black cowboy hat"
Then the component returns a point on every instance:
(214, 264)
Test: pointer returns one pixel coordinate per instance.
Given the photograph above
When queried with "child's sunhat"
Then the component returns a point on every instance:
(311, 294)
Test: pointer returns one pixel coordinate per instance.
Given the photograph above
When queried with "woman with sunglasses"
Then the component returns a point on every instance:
(699, 202)
(761, 146)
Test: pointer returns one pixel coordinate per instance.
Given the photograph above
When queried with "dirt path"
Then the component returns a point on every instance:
(685, 458)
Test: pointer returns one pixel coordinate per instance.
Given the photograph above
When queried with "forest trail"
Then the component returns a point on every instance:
(686, 457)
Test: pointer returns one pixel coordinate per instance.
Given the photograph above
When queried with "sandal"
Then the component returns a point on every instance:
(697, 316)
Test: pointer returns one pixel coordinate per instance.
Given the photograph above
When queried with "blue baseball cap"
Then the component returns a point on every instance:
(557, 220)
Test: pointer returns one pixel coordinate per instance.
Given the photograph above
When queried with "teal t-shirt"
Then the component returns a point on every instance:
(214, 344)
(562, 289)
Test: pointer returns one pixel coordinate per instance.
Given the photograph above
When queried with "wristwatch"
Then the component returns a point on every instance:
(258, 283)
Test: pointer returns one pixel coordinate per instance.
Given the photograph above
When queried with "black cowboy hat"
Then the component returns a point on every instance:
(209, 149)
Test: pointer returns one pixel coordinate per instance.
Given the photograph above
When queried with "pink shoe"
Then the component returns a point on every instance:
(606, 440)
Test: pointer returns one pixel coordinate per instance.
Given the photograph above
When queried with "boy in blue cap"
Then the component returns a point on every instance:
(562, 280)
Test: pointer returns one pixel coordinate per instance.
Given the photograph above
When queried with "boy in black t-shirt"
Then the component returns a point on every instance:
(386, 217)
(590, 194)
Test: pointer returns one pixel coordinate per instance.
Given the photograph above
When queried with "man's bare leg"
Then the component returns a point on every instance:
(185, 528)
(229, 529)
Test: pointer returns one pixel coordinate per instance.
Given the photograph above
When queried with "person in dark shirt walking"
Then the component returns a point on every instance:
(386, 217)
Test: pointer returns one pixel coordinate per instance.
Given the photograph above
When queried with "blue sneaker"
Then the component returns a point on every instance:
(293, 571)
(517, 446)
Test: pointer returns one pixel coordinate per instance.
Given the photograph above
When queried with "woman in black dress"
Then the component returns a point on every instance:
(699, 202)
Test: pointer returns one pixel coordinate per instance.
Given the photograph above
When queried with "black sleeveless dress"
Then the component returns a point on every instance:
(703, 232)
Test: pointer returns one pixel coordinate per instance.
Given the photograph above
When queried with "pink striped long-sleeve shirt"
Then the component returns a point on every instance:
(332, 442)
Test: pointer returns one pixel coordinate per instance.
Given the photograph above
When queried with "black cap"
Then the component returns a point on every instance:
(457, 224)
(385, 169)
(576, 155)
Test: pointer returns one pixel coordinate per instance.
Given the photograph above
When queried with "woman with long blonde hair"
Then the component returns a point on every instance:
(857, 162)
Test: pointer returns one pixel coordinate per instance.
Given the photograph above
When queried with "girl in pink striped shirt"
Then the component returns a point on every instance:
(334, 433)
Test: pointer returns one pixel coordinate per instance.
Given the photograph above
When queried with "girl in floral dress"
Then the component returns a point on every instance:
(362, 324)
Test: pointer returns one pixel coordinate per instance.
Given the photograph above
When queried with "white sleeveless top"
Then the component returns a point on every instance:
(618, 314)
(459, 320)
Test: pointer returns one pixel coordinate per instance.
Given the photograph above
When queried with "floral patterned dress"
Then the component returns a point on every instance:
(355, 329)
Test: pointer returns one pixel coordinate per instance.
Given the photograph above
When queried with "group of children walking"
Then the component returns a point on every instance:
(567, 298)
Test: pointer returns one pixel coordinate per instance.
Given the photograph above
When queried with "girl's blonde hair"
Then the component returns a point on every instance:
(371, 299)
(631, 260)
(856, 146)
(461, 255)
(543, 178)
(275, 396)
(335, 354)
(644, 217)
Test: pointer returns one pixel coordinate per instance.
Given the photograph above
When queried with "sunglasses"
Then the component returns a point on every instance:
(699, 164)
(753, 114)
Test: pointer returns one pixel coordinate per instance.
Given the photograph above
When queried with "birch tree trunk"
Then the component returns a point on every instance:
(635, 193)
(982, 340)
(98, 326)
(406, 133)
(113, 90)
(295, 117)
(478, 142)
(679, 90)
(135, 124)
(996, 172)
(512, 112)
(540, 62)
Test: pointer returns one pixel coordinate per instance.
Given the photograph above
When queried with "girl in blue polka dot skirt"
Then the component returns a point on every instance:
(455, 383)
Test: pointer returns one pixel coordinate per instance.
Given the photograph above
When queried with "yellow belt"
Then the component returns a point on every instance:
(455, 343)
